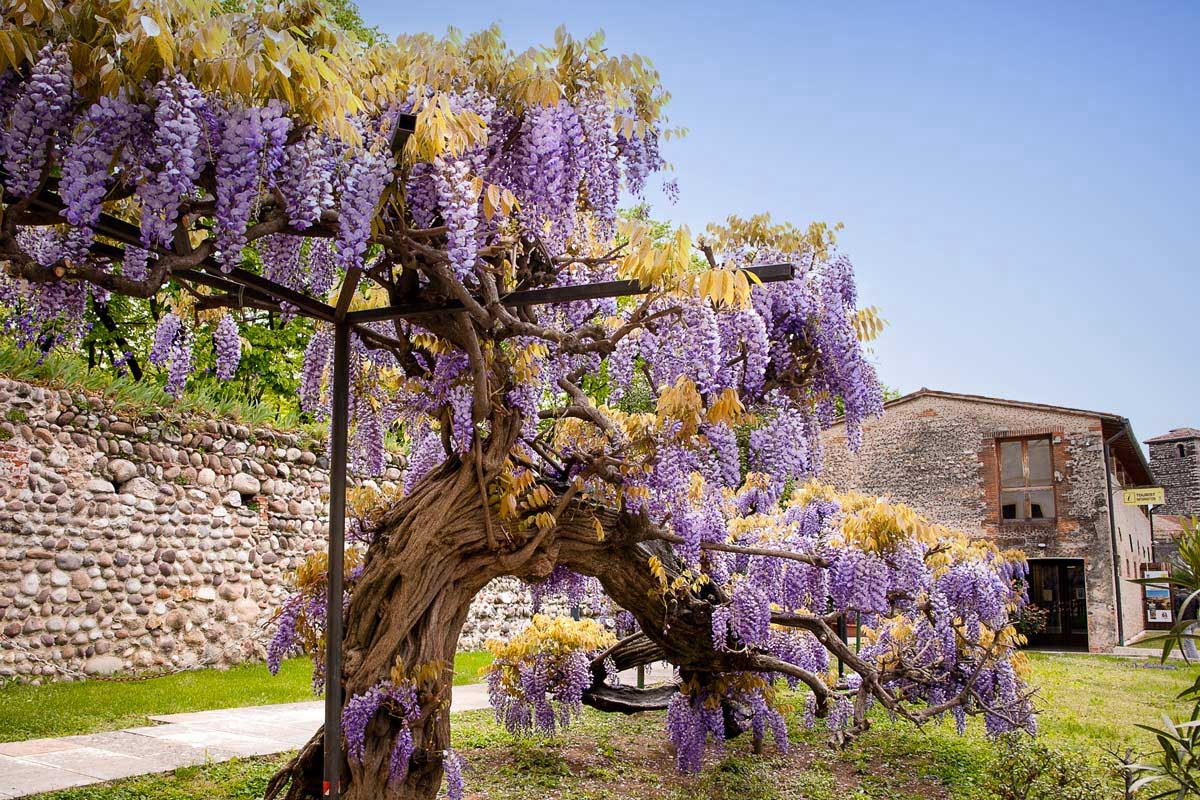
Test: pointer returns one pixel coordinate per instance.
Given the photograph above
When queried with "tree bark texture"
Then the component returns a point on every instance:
(431, 555)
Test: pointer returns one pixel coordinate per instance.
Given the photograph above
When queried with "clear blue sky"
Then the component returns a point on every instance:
(1019, 181)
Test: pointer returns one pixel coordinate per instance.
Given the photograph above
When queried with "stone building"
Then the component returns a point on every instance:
(1175, 459)
(1026, 475)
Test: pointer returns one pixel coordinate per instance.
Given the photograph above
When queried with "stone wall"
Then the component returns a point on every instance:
(142, 545)
(938, 454)
(1135, 547)
(503, 609)
(1179, 475)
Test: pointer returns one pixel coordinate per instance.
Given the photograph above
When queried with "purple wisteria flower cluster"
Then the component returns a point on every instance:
(39, 110)
(172, 349)
(550, 692)
(537, 679)
(932, 607)
(400, 700)
(228, 346)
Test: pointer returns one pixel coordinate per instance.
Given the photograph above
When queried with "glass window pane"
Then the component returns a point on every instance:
(1012, 505)
(1041, 504)
(1039, 463)
(1012, 472)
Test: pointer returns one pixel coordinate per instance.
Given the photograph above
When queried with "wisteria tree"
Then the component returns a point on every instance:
(651, 453)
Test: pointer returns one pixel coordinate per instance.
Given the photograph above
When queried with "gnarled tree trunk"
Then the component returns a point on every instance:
(430, 557)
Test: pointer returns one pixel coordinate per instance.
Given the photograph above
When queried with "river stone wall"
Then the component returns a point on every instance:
(132, 545)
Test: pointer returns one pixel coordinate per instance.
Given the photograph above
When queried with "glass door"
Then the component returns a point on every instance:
(1057, 586)
(1076, 593)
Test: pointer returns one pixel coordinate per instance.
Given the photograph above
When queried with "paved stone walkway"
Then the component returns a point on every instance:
(180, 740)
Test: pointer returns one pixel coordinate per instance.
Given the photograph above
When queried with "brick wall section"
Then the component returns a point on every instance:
(1178, 475)
(128, 545)
(939, 455)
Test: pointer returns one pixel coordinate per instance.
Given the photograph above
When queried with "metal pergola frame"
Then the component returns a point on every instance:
(344, 324)
(258, 292)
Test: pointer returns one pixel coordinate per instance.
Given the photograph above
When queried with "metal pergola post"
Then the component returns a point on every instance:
(841, 632)
(339, 423)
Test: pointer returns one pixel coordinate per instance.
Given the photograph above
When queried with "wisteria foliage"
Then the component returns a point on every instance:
(269, 130)
(933, 606)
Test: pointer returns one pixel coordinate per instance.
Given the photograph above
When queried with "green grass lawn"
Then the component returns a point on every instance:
(467, 666)
(1094, 702)
(1088, 704)
(63, 709)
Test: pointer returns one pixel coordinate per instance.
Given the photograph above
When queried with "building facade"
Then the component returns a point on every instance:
(1175, 459)
(1025, 475)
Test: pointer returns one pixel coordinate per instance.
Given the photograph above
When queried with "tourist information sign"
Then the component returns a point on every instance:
(1144, 496)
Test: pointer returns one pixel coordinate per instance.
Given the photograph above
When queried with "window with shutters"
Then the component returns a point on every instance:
(1026, 479)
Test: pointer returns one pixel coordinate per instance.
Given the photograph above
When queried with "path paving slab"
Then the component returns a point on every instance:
(219, 744)
(102, 765)
(181, 740)
(33, 747)
(19, 778)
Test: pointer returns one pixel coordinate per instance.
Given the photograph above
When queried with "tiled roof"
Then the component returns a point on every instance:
(1177, 433)
(1169, 522)
(979, 398)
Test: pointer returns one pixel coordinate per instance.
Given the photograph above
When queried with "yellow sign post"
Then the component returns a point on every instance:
(1144, 496)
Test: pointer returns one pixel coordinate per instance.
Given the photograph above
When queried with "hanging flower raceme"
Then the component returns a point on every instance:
(87, 165)
(228, 346)
(362, 183)
(171, 165)
(172, 349)
(251, 148)
(536, 679)
(40, 112)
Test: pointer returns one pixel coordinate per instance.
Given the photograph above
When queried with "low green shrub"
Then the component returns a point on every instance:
(1023, 768)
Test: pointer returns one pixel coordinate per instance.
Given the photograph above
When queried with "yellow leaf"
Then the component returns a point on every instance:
(166, 50)
(10, 52)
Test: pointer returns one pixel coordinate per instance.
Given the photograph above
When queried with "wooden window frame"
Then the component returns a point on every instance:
(1001, 490)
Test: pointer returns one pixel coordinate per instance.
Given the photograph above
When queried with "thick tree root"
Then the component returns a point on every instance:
(301, 778)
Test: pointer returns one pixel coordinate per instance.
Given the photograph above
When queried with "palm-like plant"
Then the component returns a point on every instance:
(1173, 772)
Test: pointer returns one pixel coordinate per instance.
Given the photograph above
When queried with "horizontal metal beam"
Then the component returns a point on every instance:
(768, 273)
(129, 234)
(307, 305)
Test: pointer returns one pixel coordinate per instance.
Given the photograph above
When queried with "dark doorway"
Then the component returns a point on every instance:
(1057, 586)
